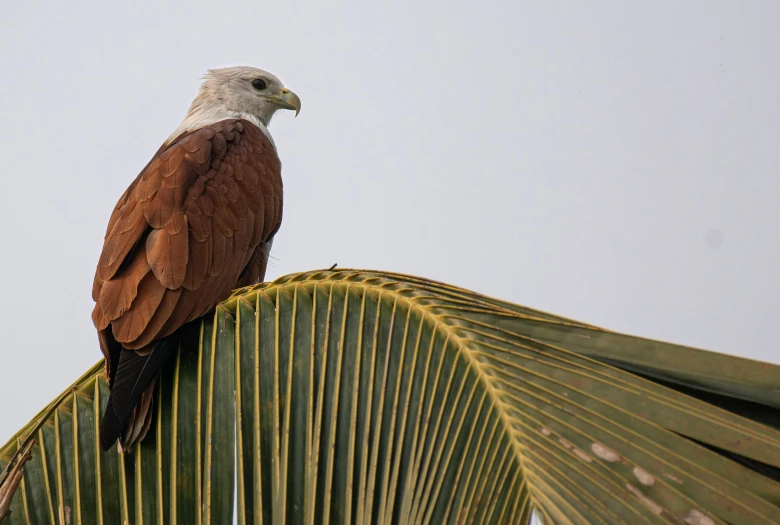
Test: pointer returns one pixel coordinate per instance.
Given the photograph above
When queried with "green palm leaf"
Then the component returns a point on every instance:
(366, 397)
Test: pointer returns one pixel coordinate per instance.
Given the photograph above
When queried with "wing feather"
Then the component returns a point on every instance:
(218, 252)
(168, 253)
(116, 295)
(199, 262)
(199, 223)
(121, 241)
(132, 323)
(162, 314)
(187, 230)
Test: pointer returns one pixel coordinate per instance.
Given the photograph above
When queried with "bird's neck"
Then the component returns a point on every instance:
(200, 116)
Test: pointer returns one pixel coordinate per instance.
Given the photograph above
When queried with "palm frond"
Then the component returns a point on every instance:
(351, 396)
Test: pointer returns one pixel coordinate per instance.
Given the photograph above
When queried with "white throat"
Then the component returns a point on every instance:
(205, 116)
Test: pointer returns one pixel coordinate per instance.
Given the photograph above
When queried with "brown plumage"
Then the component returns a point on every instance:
(196, 223)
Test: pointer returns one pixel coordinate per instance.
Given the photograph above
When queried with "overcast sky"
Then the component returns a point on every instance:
(613, 162)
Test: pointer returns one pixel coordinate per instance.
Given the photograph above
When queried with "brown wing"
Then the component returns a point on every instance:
(186, 230)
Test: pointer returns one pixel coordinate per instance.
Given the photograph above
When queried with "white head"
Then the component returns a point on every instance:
(238, 92)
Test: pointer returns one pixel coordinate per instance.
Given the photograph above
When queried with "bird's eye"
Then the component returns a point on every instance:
(258, 84)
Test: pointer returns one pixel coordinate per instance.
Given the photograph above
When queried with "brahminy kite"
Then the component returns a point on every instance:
(196, 223)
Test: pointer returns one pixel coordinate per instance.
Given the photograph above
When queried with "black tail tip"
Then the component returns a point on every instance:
(110, 430)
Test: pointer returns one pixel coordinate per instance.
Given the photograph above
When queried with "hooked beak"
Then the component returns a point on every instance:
(286, 100)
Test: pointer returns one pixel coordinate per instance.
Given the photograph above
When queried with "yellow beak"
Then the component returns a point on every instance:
(287, 100)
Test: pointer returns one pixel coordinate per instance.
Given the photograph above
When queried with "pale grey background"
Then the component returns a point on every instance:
(614, 162)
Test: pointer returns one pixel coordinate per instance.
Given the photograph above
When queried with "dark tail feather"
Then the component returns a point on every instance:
(140, 420)
(135, 374)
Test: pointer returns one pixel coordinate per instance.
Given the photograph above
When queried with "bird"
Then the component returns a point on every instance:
(198, 222)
